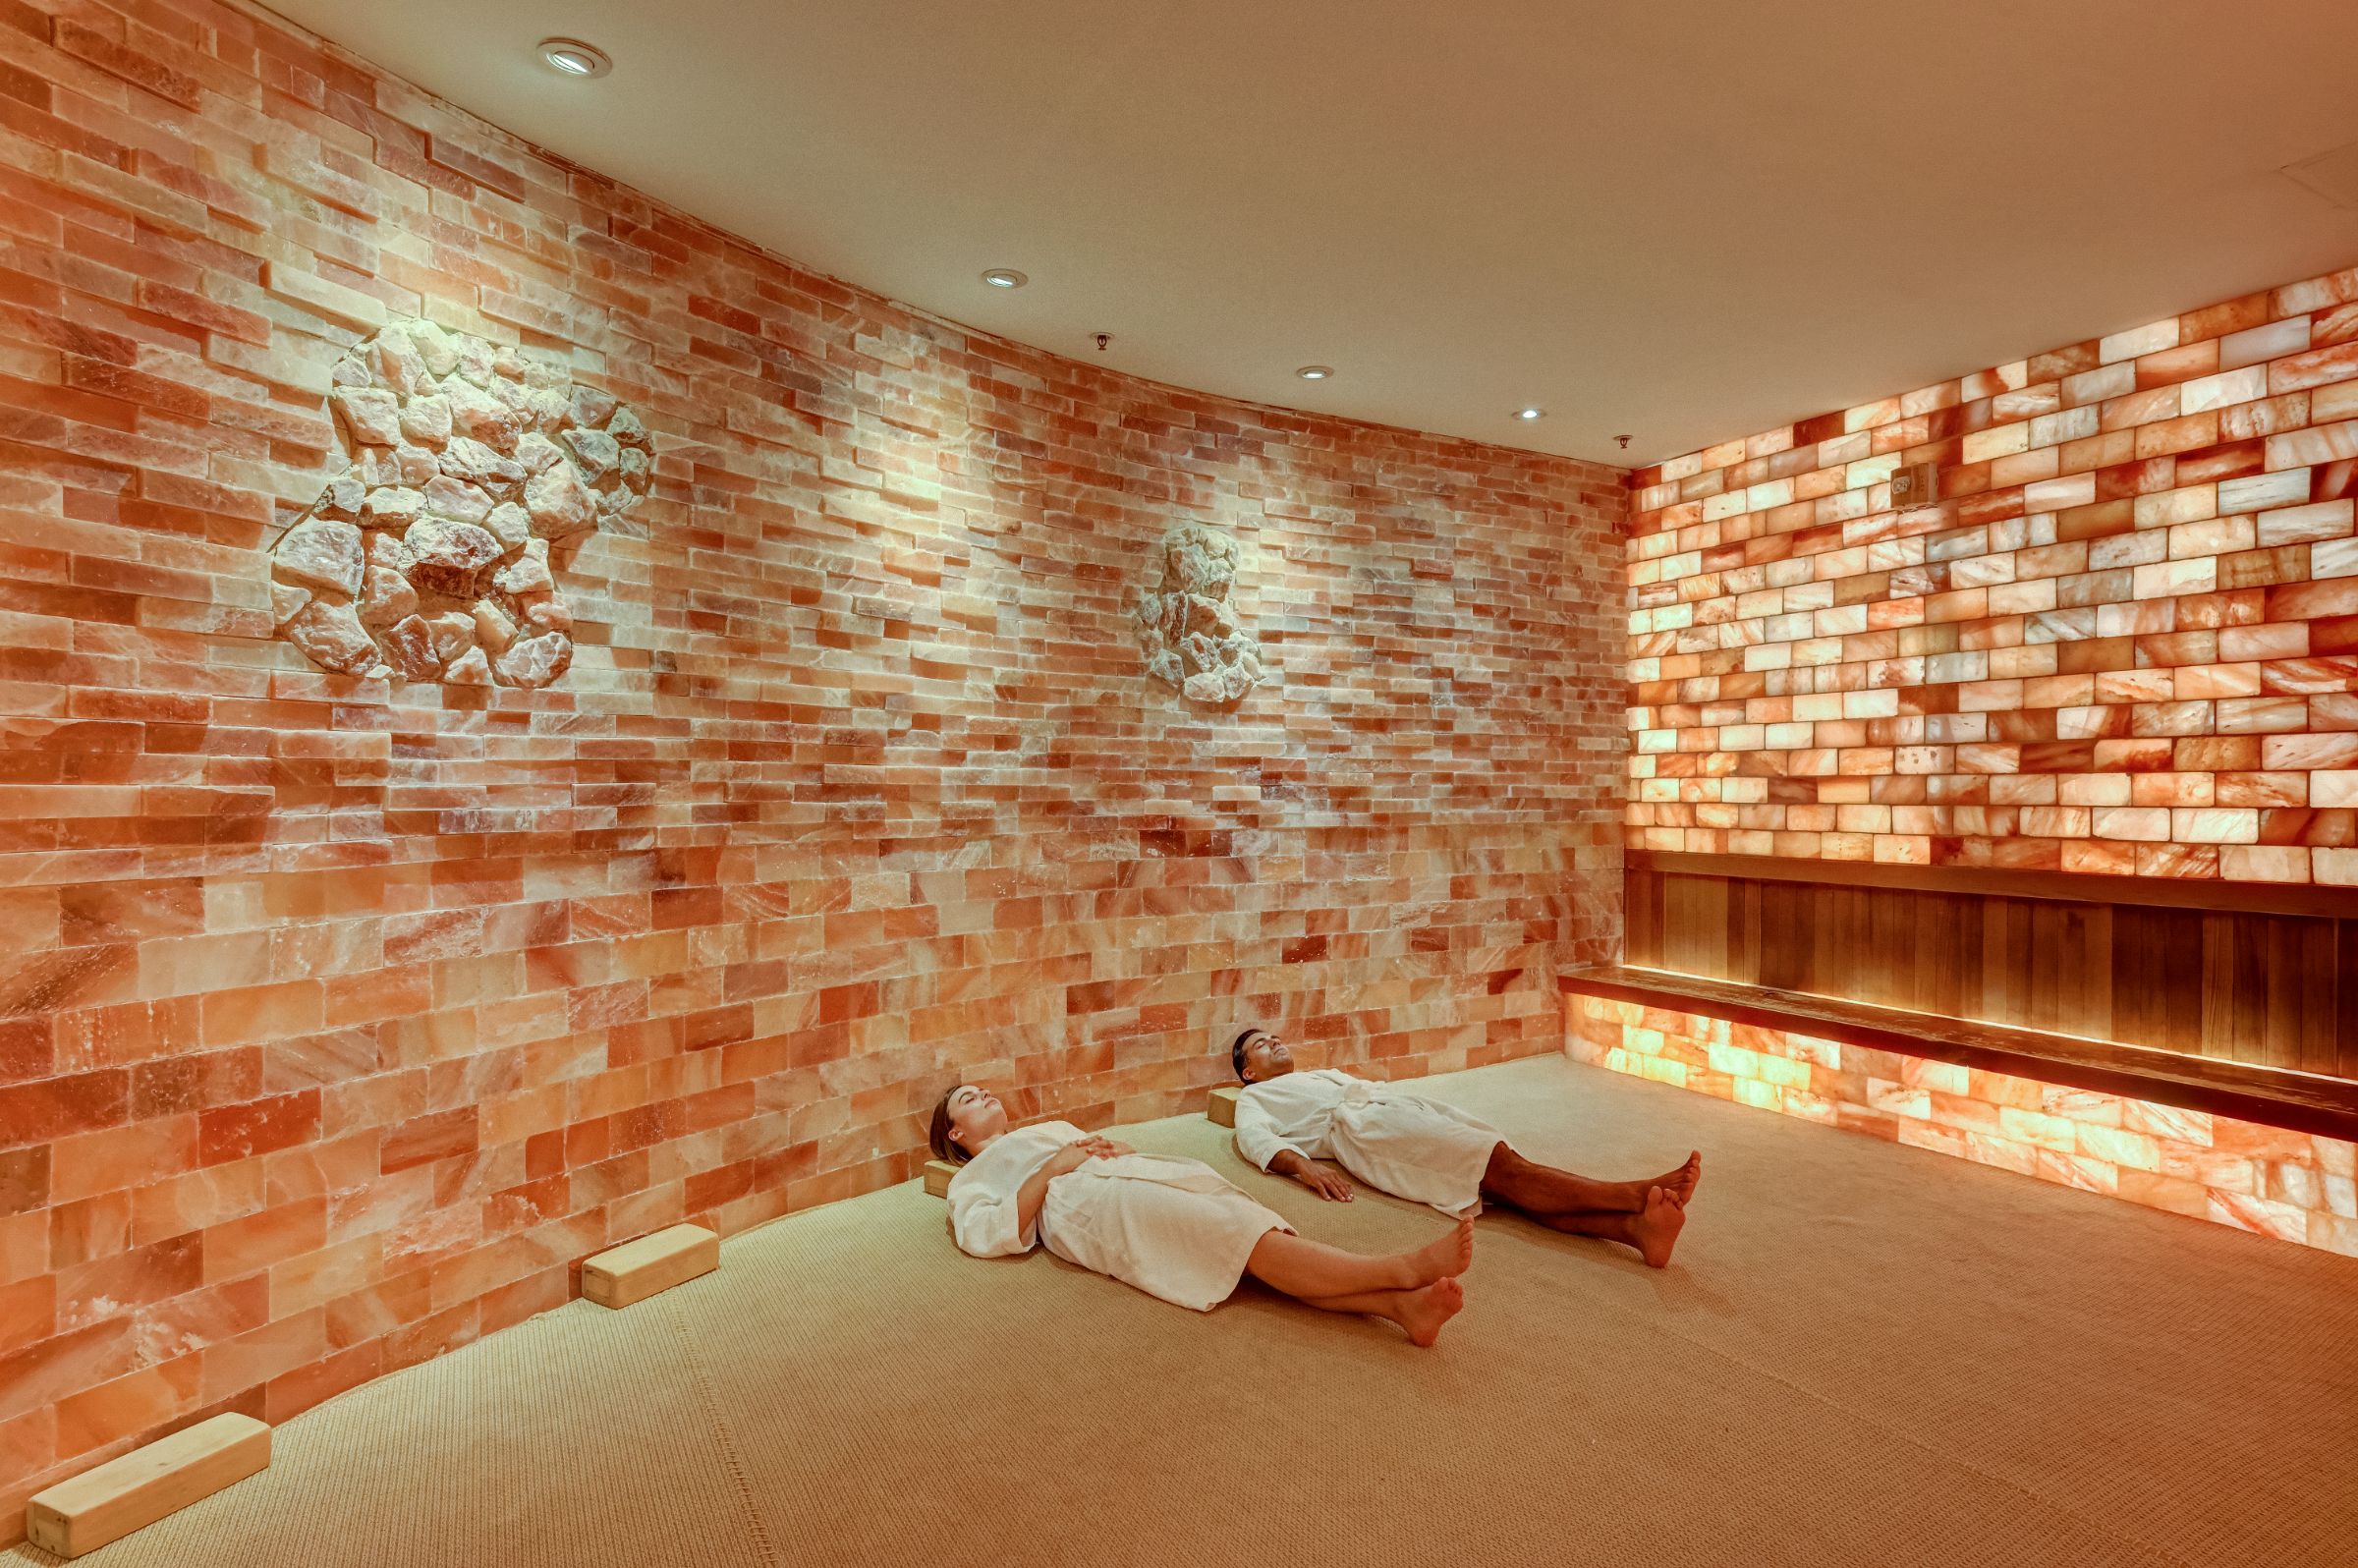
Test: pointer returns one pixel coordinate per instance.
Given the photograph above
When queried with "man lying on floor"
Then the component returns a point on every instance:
(1172, 1227)
(1431, 1153)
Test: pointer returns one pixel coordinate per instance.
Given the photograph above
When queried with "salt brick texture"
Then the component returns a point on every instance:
(2124, 641)
(339, 1018)
(2292, 1186)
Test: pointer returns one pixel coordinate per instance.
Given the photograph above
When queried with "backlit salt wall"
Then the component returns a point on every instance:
(2288, 1185)
(341, 1016)
(2125, 641)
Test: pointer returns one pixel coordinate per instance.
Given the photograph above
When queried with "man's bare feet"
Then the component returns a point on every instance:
(1656, 1228)
(1452, 1255)
(1680, 1184)
(1422, 1311)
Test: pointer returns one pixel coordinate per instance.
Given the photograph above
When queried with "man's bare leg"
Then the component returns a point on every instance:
(1542, 1190)
(1421, 1312)
(1653, 1230)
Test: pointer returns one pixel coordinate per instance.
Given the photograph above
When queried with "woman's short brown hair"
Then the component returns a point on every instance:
(944, 1147)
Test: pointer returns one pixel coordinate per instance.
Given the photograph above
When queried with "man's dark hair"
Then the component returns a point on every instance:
(1236, 1052)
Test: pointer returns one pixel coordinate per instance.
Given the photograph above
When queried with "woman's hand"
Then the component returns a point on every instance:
(1073, 1155)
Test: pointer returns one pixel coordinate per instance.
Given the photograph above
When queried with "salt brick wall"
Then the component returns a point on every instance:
(2291, 1186)
(2125, 641)
(339, 1018)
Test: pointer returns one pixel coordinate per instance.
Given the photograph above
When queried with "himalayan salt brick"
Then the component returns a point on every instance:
(1998, 378)
(2316, 368)
(2244, 422)
(2333, 787)
(2262, 492)
(2258, 345)
(2328, 403)
(2333, 560)
(2098, 385)
(2228, 387)
(2187, 362)
(2139, 823)
(2325, 520)
(2186, 433)
(2248, 863)
(2134, 410)
(2257, 715)
(2323, 443)
(2139, 341)
(2316, 294)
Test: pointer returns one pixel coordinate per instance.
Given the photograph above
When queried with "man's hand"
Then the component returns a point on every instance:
(1327, 1184)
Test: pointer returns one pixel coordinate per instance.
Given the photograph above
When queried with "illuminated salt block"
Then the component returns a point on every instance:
(1221, 1107)
(937, 1177)
(111, 1500)
(637, 1269)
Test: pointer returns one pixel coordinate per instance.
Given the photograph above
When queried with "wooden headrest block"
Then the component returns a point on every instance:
(937, 1177)
(637, 1269)
(109, 1501)
(1221, 1106)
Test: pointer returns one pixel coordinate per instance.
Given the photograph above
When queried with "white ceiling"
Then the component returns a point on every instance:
(1683, 221)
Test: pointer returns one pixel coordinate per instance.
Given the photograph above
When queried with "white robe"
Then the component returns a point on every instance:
(1172, 1227)
(1397, 1143)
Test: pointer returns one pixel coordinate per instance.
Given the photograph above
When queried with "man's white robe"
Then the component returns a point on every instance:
(1396, 1142)
(1172, 1227)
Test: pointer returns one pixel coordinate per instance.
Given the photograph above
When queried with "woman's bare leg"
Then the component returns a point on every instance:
(1420, 1312)
(1316, 1271)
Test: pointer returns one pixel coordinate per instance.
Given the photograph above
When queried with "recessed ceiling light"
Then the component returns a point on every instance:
(1314, 373)
(574, 58)
(1530, 414)
(1005, 278)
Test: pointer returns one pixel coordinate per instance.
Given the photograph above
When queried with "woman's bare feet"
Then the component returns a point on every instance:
(1655, 1227)
(1445, 1258)
(1680, 1184)
(1422, 1311)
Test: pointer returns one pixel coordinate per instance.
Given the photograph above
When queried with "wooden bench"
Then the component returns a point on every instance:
(2271, 1096)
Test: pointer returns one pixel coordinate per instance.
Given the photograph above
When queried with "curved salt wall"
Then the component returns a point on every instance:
(344, 1013)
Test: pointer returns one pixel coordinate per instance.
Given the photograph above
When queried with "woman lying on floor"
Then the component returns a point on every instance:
(1170, 1226)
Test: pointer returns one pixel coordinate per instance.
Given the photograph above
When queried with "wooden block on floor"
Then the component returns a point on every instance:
(1221, 1107)
(111, 1500)
(637, 1269)
(937, 1177)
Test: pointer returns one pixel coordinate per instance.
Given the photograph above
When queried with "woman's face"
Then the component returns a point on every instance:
(976, 1117)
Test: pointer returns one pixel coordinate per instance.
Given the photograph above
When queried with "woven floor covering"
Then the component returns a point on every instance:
(1863, 1354)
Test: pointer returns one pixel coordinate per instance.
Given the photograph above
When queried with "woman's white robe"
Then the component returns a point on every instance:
(1172, 1227)
(1397, 1143)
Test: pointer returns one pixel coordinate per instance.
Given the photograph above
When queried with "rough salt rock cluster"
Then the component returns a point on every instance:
(1187, 625)
(427, 558)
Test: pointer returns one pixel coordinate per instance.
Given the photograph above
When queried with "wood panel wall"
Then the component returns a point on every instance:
(2275, 986)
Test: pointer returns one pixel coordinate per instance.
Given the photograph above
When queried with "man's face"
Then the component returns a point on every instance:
(1267, 1057)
